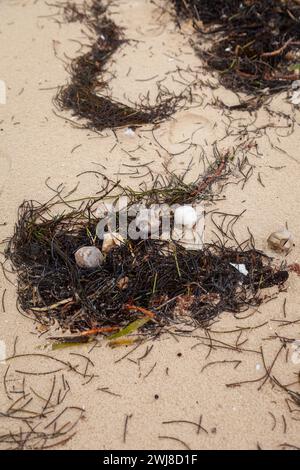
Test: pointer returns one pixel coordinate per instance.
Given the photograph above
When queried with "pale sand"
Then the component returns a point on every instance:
(35, 144)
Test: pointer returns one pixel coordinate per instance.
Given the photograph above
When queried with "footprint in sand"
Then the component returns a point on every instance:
(184, 129)
(185, 126)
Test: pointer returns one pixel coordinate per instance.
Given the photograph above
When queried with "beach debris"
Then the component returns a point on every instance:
(89, 257)
(156, 279)
(281, 240)
(131, 328)
(185, 216)
(159, 272)
(186, 229)
(16, 434)
(254, 45)
(110, 241)
(295, 346)
(123, 283)
(241, 268)
(84, 96)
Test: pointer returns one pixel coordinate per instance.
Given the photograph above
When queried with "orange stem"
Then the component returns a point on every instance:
(140, 309)
(211, 178)
(95, 331)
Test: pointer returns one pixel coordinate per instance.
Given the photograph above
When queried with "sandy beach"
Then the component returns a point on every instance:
(155, 395)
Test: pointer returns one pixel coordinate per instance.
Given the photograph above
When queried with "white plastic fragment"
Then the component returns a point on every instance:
(88, 257)
(110, 241)
(241, 268)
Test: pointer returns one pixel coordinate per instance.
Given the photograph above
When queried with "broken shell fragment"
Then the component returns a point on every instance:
(122, 284)
(281, 240)
(88, 257)
(110, 241)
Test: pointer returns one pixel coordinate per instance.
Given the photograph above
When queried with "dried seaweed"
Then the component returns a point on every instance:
(254, 45)
(87, 95)
(163, 279)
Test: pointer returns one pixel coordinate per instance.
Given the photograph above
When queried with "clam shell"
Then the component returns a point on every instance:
(110, 240)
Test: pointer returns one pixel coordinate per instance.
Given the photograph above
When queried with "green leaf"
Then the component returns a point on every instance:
(135, 325)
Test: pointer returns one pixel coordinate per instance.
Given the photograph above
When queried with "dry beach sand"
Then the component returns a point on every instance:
(156, 398)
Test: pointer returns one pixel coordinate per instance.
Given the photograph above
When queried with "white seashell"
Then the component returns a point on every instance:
(110, 241)
(185, 216)
(281, 240)
(88, 257)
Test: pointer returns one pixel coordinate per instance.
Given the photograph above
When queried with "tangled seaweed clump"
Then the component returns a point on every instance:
(160, 281)
(254, 45)
(84, 97)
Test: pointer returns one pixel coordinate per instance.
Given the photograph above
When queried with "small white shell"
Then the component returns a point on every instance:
(185, 216)
(129, 132)
(110, 240)
(281, 240)
(88, 257)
